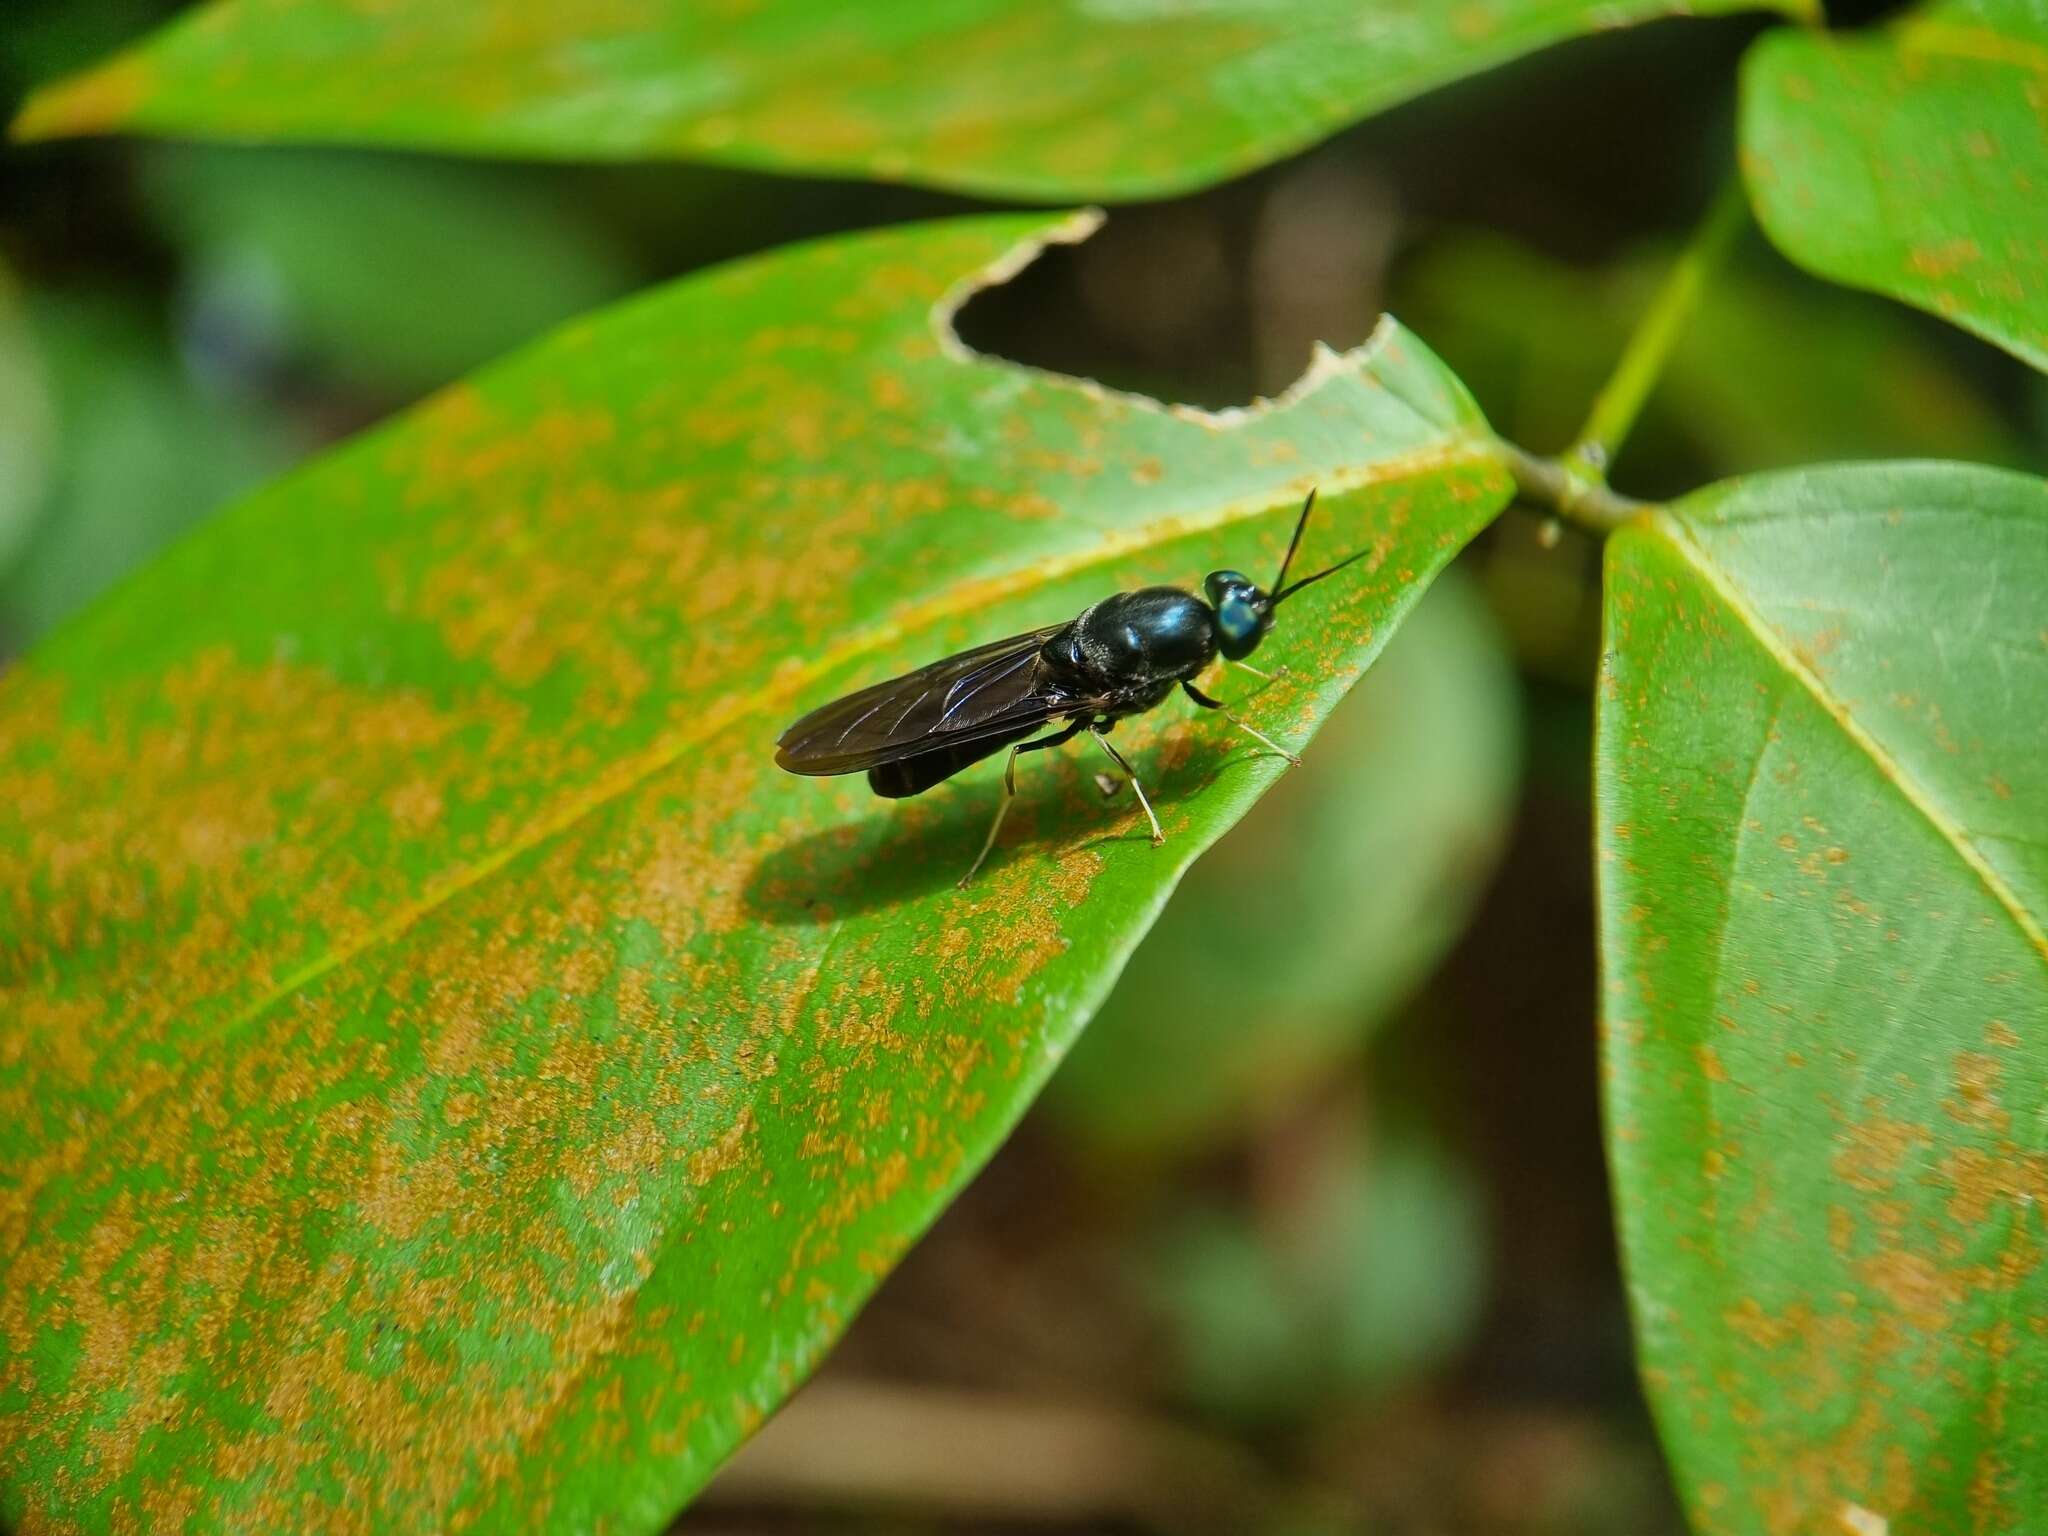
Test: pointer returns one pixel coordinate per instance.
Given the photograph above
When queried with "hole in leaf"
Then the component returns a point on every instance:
(1208, 300)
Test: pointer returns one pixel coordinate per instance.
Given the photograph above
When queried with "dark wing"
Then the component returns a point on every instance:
(998, 689)
(901, 777)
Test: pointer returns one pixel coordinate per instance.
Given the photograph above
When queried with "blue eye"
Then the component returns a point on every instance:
(1237, 618)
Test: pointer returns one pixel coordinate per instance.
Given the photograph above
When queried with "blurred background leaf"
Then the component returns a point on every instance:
(1365, 1276)
(47, 38)
(382, 274)
(1057, 101)
(1775, 368)
(27, 426)
(136, 452)
(1323, 910)
(1912, 160)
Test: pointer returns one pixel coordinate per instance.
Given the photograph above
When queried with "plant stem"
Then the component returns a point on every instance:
(1558, 488)
(1573, 486)
(1621, 399)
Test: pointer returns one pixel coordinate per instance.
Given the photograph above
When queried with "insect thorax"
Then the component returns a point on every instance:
(1135, 638)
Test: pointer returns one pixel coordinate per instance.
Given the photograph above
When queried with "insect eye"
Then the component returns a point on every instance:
(1237, 617)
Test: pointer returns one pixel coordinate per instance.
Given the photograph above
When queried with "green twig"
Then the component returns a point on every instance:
(1557, 488)
(1621, 399)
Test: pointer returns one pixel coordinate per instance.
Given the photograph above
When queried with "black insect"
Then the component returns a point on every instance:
(1120, 657)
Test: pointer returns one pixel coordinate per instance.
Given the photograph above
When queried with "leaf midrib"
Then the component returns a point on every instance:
(1674, 531)
(1468, 446)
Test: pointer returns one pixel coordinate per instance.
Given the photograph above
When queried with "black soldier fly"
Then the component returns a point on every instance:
(1121, 656)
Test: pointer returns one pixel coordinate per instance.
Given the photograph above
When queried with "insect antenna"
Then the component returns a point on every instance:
(1281, 592)
(1308, 581)
(1295, 543)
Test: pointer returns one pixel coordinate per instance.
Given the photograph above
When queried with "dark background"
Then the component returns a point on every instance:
(1371, 1285)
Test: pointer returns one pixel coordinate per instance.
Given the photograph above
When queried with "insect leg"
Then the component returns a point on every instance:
(1131, 773)
(1261, 674)
(1058, 738)
(1206, 702)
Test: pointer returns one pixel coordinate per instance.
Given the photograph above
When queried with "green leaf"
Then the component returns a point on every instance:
(453, 1076)
(1823, 809)
(388, 273)
(1334, 898)
(1913, 161)
(1024, 98)
(46, 38)
(1368, 1275)
(27, 426)
(1774, 370)
(135, 454)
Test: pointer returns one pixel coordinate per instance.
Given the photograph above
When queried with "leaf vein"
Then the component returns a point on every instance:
(1916, 794)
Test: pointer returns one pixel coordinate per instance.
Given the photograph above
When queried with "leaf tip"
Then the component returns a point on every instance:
(97, 101)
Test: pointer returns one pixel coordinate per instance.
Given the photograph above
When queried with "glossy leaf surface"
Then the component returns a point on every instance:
(452, 1076)
(1074, 98)
(1824, 881)
(1913, 160)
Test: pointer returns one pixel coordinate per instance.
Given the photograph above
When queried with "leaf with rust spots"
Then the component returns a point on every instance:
(1053, 99)
(1913, 161)
(1809, 880)
(449, 1071)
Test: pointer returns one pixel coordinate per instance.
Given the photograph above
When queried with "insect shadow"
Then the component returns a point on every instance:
(896, 855)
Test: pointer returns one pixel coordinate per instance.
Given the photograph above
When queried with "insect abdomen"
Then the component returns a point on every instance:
(909, 776)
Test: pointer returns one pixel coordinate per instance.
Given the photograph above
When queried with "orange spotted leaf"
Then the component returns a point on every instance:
(1823, 843)
(1056, 99)
(1913, 160)
(451, 1078)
